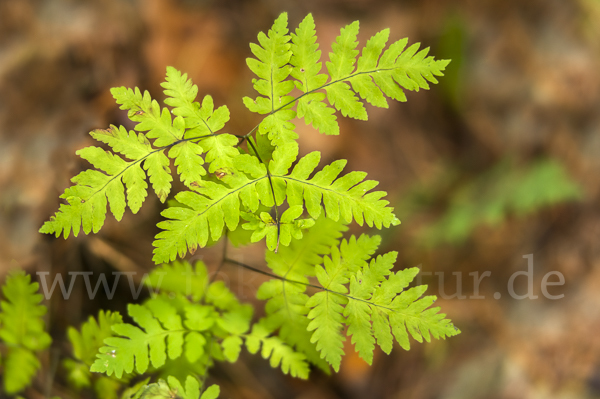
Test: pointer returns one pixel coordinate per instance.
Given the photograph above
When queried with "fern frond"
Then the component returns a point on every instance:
(205, 213)
(375, 76)
(22, 330)
(185, 139)
(288, 305)
(346, 197)
(271, 66)
(289, 226)
(374, 303)
(286, 299)
(170, 325)
(137, 148)
(327, 307)
(172, 388)
(192, 389)
(340, 66)
(188, 161)
(306, 68)
(220, 151)
(151, 118)
(20, 366)
(305, 57)
(87, 200)
(201, 121)
(278, 353)
(370, 77)
(142, 346)
(86, 344)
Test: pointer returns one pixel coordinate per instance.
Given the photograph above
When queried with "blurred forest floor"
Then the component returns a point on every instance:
(500, 160)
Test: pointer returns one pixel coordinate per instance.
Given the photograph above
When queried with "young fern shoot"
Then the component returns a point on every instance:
(240, 182)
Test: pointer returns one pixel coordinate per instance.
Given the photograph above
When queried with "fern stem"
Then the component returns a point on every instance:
(272, 192)
(287, 280)
(329, 84)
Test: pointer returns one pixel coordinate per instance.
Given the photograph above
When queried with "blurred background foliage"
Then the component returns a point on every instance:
(499, 161)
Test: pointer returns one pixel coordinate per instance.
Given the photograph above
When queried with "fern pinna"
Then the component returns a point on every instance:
(258, 182)
(21, 331)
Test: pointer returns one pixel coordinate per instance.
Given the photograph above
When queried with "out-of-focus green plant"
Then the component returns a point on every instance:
(491, 197)
(22, 331)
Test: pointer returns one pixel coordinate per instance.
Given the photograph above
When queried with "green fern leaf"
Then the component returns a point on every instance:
(305, 60)
(315, 112)
(204, 214)
(356, 252)
(150, 117)
(201, 122)
(283, 158)
(21, 317)
(305, 57)
(170, 325)
(346, 198)
(159, 174)
(286, 301)
(289, 226)
(20, 366)
(220, 151)
(341, 65)
(86, 344)
(188, 161)
(143, 346)
(272, 67)
(181, 93)
(363, 84)
(277, 352)
(22, 330)
(358, 312)
(172, 388)
(327, 306)
(161, 320)
(87, 200)
(372, 78)
(192, 389)
(137, 148)
(374, 303)
(133, 145)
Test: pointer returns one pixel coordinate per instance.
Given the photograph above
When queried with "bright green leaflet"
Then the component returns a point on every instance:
(21, 330)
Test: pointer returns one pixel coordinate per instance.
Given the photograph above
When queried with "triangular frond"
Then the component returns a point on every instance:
(371, 300)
